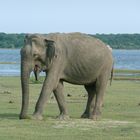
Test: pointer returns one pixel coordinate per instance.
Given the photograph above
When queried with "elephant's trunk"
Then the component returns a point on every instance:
(25, 74)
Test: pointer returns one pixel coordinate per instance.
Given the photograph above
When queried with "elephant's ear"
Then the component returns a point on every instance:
(50, 51)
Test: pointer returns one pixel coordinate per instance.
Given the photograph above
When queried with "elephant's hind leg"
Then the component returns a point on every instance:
(101, 84)
(91, 90)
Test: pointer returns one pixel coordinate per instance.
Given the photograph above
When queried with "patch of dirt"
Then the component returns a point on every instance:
(86, 124)
(5, 92)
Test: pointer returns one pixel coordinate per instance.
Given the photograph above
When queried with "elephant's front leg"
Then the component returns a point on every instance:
(50, 83)
(58, 92)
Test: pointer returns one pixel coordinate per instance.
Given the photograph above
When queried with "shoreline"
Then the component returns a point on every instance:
(119, 74)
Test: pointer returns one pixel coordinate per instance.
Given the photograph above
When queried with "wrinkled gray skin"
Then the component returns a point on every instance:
(74, 58)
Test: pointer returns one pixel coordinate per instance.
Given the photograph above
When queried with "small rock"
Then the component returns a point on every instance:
(69, 95)
(11, 102)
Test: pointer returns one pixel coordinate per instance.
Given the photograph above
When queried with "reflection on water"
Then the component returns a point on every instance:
(124, 59)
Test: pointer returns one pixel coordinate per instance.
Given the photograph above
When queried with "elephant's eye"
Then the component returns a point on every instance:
(34, 41)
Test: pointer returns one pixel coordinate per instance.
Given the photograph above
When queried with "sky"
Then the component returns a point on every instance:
(86, 16)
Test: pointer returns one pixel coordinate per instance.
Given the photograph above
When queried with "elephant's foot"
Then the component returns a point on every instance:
(24, 117)
(95, 115)
(37, 117)
(85, 115)
(63, 117)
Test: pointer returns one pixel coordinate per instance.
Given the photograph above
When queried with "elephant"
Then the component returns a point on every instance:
(76, 58)
(37, 69)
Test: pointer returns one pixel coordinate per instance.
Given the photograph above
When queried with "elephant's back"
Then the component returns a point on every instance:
(81, 47)
(77, 41)
(75, 38)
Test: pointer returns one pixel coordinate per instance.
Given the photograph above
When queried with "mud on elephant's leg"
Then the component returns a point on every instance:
(58, 92)
(91, 100)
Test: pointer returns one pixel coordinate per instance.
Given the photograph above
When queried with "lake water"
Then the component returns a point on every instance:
(124, 59)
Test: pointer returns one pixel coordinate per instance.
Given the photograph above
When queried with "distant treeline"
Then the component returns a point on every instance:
(121, 41)
(116, 41)
(11, 40)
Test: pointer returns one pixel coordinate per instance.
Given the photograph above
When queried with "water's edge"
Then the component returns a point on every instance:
(10, 61)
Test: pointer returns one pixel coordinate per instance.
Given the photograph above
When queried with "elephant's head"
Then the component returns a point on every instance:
(37, 50)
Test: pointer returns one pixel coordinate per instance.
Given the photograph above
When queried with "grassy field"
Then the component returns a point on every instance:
(120, 74)
(120, 114)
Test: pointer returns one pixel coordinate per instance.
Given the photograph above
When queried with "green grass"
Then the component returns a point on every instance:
(120, 114)
(126, 74)
(126, 71)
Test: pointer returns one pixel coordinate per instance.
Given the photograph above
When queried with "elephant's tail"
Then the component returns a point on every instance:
(112, 71)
